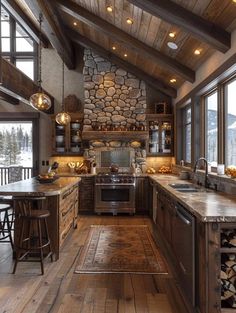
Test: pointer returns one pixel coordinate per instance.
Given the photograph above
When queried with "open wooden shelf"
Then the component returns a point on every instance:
(228, 250)
(115, 135)
(228, 310)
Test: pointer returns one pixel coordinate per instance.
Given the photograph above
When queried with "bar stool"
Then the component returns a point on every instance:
(6, 223)
(32, 241)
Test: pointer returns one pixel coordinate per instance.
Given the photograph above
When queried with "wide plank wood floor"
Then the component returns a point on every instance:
(62, 291)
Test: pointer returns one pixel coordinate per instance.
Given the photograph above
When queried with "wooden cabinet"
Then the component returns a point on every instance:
(165, 211)
(160, 128)
(66, 140)
(141, 195)
(68, 212)
(86, 195)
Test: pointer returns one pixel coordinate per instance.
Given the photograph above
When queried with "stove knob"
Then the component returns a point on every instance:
(125, 180)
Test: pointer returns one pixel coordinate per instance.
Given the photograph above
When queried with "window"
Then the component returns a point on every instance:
(17, 46)
(211, 128)
(16, 144)
(187, 119)
(230, 108)
(19, 142)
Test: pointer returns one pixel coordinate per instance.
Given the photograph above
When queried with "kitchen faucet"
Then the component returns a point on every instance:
(206, 170)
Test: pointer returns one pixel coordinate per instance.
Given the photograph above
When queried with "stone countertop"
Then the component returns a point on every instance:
(207, 205)
(30, 187)
(69, 174)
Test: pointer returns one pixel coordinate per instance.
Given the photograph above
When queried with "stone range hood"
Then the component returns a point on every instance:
(114, 98)
(112, 95)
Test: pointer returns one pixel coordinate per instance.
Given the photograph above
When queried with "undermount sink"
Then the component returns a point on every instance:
(186, 187)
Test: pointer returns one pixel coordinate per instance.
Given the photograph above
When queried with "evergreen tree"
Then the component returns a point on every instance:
(15, 151)
(20, 137)
(26, 141)
(7, 148)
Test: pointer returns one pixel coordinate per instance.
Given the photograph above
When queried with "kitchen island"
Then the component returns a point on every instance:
(61, 201)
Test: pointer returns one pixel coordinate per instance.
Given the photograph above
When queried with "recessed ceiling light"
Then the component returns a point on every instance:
(125, 55)
(197, 51)
(234, 1)
(129, 21)
(172, 80)
(109, 8)
(75, 24)
(113, 47)
(172, 35)
(172, 45)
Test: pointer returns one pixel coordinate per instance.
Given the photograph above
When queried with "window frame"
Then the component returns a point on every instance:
(205, 121)
(13, 55)
(26, 117)
(184, 126)
(225, 113)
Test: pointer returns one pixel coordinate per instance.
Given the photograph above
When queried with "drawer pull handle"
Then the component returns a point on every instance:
(67, 211)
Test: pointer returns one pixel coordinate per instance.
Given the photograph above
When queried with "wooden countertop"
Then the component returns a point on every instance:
(207, 205)
(31, 186)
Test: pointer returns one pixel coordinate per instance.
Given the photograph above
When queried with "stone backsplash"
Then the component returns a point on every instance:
(113, 96)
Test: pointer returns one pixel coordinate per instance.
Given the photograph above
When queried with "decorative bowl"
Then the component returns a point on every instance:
(46, 180)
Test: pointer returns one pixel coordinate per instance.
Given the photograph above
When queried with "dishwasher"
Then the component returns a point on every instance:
(183, 242)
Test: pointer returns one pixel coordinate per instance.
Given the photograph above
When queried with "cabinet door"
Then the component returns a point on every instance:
(59, 138)
(86, 195)
(67, 139)
(141, 195)
(74, 136)
(160, 212)
(165, 143)
(160, 140)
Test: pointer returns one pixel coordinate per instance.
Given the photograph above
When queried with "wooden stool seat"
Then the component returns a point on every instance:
(34, 236)
(6, 223)
(37, 214)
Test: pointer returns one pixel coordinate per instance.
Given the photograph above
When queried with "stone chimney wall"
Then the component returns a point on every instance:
(113, 96)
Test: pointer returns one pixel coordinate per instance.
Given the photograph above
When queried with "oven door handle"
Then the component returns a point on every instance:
(115, 184)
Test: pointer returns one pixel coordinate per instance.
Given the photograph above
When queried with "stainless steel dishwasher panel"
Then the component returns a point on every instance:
(183, 242)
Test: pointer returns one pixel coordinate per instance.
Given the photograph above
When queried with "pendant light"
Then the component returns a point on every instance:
(63, 118)
(40, 100)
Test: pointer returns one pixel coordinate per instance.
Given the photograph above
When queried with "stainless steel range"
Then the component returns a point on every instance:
(115, 193)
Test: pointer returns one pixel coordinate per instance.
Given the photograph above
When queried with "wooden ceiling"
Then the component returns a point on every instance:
(198, 24)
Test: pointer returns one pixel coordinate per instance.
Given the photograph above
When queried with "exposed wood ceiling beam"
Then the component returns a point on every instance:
(173, 13)
(23, 19)
(5, 97)
(52, 26)
(127, 40)
(155, 83)
(17, 85)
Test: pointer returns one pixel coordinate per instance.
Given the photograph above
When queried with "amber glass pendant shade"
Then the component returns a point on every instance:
(40, 101)
(63, 118)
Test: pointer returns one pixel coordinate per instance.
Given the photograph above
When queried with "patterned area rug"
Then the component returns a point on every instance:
(121, 249)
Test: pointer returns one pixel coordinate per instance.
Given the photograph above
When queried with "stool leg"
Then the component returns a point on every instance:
(9, 229)
(40, 245)
(48, 239)
(17, 247)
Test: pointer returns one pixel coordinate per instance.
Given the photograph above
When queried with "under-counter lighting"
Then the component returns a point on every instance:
(125, 55)
(75, 24)
(109, 8)
(113, 47)
(172, 34)
(234, 1)
(173, 80)
(129, 21)
(197, 51)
